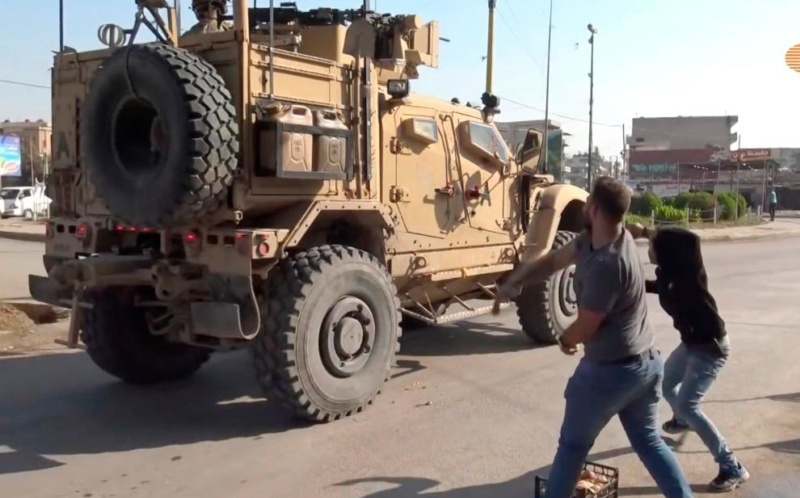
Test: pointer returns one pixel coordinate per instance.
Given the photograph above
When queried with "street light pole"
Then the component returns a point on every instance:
(547, 97)
(593, 31)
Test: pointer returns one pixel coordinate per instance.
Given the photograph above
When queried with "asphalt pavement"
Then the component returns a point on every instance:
(473, 411)
(17, 260)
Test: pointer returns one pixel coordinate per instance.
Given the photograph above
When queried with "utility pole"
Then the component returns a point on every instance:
(624, 151)
(593, 31)
(547, 99)
(490, 47)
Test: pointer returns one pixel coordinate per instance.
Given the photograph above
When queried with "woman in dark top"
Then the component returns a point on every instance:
(682, 287)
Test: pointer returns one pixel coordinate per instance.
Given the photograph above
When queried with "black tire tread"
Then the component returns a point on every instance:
(274, 351)
(212, 143)
(116, 346)
(534, 306)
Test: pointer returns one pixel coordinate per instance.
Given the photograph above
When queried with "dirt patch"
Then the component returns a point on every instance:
(40, 313)
(13, 319)
(29, 326)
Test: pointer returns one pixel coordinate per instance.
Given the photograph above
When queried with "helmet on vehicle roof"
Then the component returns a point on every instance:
(200, 4)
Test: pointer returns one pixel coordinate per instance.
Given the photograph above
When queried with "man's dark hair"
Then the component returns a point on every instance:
(612, 197)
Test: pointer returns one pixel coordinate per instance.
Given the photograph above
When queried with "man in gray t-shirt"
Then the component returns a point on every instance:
(610, 280)
(620, 373)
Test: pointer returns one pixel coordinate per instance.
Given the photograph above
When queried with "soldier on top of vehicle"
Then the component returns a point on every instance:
(209, 17)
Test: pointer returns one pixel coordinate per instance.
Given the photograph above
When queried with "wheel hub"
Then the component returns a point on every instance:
(566, 292)
(347, 336)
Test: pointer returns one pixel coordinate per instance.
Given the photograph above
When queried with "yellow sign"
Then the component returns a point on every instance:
(793, 58)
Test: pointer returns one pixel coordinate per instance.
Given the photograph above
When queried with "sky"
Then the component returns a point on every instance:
(652, 58)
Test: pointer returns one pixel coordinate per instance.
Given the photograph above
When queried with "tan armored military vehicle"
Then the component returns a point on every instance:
(214, 193)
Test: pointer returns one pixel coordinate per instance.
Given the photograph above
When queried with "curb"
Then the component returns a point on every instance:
(734, 238)
(22, 236)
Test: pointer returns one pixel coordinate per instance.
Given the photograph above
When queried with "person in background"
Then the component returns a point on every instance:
(621, 372)
(773, 203)
(209, 17)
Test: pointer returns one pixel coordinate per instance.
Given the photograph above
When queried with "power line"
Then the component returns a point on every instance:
(519, 38)
(563, 116)
(22, 83)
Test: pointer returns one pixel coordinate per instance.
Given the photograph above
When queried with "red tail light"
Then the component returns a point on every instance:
(82, 231)
(191, 238)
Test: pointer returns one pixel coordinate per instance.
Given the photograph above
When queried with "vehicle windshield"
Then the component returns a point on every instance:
(8, 194)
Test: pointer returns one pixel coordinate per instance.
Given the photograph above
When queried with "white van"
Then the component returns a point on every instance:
(23, 201)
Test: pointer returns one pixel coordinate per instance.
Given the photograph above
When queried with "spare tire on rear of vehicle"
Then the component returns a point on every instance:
(159, 136)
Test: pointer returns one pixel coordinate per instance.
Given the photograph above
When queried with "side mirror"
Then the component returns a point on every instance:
(530, 156)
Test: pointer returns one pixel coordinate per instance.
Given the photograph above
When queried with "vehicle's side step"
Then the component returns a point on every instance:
(454, 317)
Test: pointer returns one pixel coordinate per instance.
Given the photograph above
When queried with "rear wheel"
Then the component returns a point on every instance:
(119, 341)
(545, 309)
(330, 332)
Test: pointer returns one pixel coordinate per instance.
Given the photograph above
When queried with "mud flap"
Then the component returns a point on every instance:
(233, 311)
(47, 290)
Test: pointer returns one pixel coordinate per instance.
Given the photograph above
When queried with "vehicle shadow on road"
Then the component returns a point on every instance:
(464, 339)
(522, 486)
(60, 404)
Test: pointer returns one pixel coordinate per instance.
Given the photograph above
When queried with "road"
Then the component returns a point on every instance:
(473, 411)
(17, 260)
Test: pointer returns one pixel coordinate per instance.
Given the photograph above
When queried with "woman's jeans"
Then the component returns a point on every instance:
(595, 393)
(688, 375)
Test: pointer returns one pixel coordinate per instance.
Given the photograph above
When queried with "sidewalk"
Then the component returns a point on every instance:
(783, 226)
(22, 230)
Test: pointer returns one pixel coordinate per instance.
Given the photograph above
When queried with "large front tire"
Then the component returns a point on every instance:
(545, 309)
(118, 341)
(330, 332)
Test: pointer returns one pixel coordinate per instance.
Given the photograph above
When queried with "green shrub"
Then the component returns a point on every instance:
(727, 204)
(668, 201)
(645, 204)
(703, 202)
(631, 219)
(670, 215)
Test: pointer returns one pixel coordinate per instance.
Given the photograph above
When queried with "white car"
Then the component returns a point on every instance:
(23, 201)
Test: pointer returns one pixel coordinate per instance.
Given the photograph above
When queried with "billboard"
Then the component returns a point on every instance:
(10, 156)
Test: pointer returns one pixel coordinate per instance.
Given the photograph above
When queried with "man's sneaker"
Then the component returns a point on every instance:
(672, 426)
(729, 478)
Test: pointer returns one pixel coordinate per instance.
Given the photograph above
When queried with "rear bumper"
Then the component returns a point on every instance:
(49, 291)
(230, 312)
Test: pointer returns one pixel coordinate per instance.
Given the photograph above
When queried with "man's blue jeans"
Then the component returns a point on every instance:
(595, 393)
(688, 375)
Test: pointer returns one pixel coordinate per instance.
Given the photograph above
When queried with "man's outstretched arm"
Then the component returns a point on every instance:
(510, 284)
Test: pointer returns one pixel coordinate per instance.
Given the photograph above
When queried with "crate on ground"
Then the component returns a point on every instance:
(609, 489)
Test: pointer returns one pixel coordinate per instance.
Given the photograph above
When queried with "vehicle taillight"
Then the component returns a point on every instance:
(82, 231)
(262, 248)
(192, 240)
(49, 229)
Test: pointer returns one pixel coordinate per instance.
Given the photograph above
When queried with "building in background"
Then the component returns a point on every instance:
(35, 140)
(683, 133)
(578, 165)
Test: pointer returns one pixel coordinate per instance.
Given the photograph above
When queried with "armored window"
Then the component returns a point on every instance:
(487, 139)
(424, 129)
